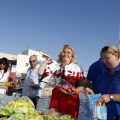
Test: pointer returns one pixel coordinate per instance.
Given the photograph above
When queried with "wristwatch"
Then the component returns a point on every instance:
(111, 97)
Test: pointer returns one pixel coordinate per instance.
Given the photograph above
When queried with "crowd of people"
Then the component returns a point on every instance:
(103, 77)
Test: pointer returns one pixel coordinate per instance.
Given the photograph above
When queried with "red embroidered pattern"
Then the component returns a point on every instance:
(70, 77)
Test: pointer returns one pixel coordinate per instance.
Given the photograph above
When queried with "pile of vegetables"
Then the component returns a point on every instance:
(52, 114)
(23, 109)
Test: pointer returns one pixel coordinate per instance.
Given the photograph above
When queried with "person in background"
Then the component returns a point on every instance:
(31, 81)
(108, 83)
(13, 79)
(66, 102)
(94, 71)
(4, 74)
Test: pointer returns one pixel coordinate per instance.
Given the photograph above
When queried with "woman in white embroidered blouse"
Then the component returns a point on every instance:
(65, 101)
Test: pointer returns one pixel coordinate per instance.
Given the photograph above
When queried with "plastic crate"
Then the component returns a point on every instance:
(43, 104)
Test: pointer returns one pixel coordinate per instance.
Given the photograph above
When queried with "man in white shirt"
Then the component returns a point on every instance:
(31, 87)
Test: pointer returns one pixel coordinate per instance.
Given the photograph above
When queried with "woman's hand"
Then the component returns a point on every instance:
(48, 61)
(68, 92)
(103, 99)
(88, 91)
(42, 67)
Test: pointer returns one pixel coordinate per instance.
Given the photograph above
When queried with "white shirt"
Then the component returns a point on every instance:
(3, 79)
(31, 76)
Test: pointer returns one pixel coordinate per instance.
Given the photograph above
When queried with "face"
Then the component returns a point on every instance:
(67, 55)
(110, 60)
(2, 65)
(33, 61)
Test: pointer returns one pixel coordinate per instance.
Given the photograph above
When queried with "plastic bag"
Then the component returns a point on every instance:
(97, 111)
(53, 80)
(62, 83)
(4, 99)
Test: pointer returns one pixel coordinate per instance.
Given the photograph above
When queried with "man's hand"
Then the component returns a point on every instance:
(34, 87)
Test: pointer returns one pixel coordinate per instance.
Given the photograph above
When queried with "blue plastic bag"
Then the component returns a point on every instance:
(97, 112)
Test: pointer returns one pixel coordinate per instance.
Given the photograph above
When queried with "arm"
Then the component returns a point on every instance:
(88, 89)
(80, 82)
(68, 92)
(88, 84)
(43, 66)
(79, 89)
(89, 77)
(106, 98)
(116, 97)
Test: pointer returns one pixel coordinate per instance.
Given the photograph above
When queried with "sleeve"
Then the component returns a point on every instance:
(80, 78)
(98, 83)
(89, 75)
(50, 69)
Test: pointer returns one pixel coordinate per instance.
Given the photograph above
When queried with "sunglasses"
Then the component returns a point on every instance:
(32, 61)
(3, 63)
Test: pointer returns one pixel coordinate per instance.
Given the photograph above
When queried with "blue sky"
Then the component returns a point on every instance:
(86, 25)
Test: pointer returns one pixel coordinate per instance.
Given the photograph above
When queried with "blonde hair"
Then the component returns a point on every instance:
(73, 54)
(111, 49)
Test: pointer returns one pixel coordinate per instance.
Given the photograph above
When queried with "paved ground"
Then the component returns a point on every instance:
(84, 113)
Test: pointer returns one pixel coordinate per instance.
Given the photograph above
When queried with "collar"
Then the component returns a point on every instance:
(116, 70)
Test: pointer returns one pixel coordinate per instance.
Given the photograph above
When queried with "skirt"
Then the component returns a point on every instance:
(65, 104)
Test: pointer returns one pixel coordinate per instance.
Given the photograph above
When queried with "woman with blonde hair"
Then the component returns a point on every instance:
(109, 81)
(65, 101)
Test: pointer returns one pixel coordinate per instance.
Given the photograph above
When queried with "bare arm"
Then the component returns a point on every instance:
(116, 97)
(88, 90)
(79, 89)
(43, 66)
(106, 98)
